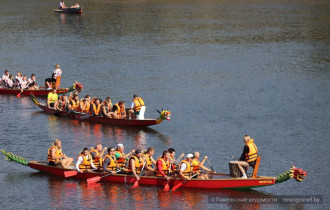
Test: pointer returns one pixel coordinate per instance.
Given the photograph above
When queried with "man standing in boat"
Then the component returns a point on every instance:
(56, 156)
(61, 5)
(57, 73)
(248, 157)
(137, 103)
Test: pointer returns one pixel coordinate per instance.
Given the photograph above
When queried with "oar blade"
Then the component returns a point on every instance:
(70, 173)
(166, 187)
(93, 180)
(135, 185)
(177, 186)
(18, 95)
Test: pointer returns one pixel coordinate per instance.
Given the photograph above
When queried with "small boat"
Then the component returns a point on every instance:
(217, 181)
(72, 10)
(42, 91)
(102, 120)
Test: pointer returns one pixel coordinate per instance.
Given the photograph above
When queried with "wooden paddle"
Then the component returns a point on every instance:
(70, 173)
(98, 178)
(136, 183)
(182, 183)
(210, 165)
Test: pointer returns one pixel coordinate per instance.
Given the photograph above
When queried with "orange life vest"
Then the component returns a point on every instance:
(97, 161)
(113, 163)
(75, 106)
(138, 164)
(138, 103)
(188, 171)
(121, 162)
(195, 166)
(165, 167)
(86, 106)
(253, 151)
(96, 110)
(58, 153)
(119, 111)
(86, 164)
(149, 162)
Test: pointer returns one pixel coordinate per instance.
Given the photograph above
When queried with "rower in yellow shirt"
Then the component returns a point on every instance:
(52, 99)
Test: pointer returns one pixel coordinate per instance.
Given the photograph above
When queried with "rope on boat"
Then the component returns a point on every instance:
(11, 157)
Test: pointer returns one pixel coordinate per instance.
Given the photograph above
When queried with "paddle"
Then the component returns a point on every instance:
(167, 186)
(70, 173)
(182, 183)
(210, 165)
(136, 183)
(98, 178)
(19, 94)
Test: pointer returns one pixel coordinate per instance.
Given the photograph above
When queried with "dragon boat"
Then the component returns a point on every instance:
(217, 180)
(41, 92)
(164, 115)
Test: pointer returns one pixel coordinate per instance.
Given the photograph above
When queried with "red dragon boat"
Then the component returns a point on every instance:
(102, 120)
(41, 92)
(217, 181)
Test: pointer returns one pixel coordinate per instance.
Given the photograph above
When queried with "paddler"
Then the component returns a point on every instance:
(249, 155)
(197, 166)
(5, 78)
(97, 155)
(84, 162)
(56, 156)
(137, 103)
(119, 110)
(74, 103)
(61, 5)
(63, 103)
(85, 104)
(172, 158)
(149, 170)
(109, 161)
(106, 108)
(96, 108)
(163, 165)
(186, 171)
(121, 157)
(52, 99)
(135, 164)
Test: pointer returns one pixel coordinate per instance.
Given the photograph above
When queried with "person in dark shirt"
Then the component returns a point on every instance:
(248, 157)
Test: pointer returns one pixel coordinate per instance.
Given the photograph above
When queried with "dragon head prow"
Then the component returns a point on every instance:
(298, 174)
(164, 114)
(78, 86)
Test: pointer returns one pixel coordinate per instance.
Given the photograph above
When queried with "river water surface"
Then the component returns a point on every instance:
(223, 69)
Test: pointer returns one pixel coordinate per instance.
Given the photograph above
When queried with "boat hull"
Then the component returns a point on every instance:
(38, 93)
(219, 181)
(101, 120)
(72, 10)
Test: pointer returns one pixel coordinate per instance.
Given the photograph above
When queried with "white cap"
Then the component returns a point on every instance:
(120, 145)
(190, 155)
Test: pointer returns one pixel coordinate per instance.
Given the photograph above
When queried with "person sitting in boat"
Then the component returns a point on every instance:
(52, 99)
(10, 81)
(57, 72)
(174, 162)
(163, 165)
(74, 103)
(106, 108)
(135, 164)
(119, 110)
(197, 166)
(149, 170)
(96, 108)
(24, 83)
(61, 5)
(110, 161)
(73, 94)
(18, 79)
(56, 156)
(85, 104)
(63, 103)
(97, 155)
(137, 103)
(5, 78)
(32, 82)
(248, 157)
(84, 162)
(121, 157)
(185, 171)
